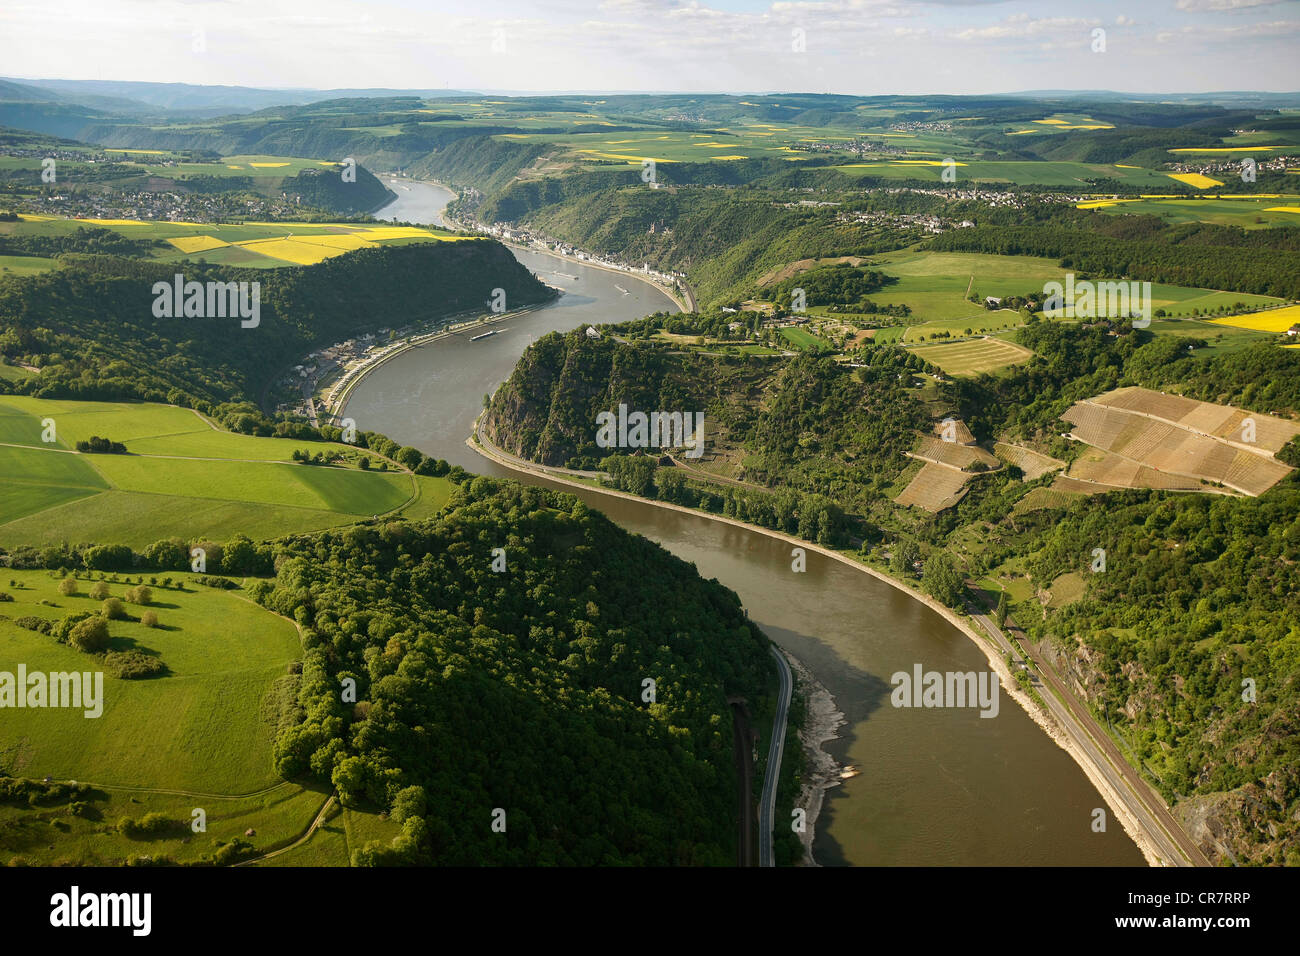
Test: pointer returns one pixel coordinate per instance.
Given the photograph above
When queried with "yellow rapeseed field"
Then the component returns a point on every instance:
(289, 250)
(1221, 149)
(1271, 320)
(346, 241)
(189, 244)
(1195, 179)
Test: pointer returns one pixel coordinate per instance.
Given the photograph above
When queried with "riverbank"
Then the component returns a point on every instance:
(1057, 732)
(355, 374)
(686, 305)
(822, 721)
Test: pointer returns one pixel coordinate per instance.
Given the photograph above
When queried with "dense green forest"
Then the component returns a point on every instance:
(90, 325)
(326, 189)
(519, 689)
(840, 284)
(1208, 590)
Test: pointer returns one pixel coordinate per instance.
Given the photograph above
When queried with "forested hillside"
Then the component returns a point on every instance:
(90, 325)
(519, 689)
(724, 242)
(1202, 592)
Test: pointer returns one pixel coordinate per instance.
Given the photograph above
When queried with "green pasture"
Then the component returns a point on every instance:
(1223, 338)
(200, 726)
(1181, 300)
(25, 265)
(1247, 213)
(803, 339)
(180, 477)
(12, 373)
(51, 836)
(327, 846)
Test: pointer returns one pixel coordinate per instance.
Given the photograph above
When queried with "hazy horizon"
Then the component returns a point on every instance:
(508, 47)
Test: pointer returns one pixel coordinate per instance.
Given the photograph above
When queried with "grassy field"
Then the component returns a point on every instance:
(181, 477)
(12, 373)
(200, 727)
(802, 339)
(1247, 212)
(328, 846)
(25, 265)
(974, 357)
(935, 286)
(54, 837)
(170, 165)
(1217, 333)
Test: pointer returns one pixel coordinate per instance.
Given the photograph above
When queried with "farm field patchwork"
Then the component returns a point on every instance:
(1249, 212)
(1271, 320)
(250, 243)
(1025, 173)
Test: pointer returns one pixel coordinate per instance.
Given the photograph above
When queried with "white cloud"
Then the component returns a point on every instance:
(1225, 4)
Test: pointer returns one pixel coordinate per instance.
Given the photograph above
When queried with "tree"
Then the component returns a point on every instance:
(141, 594)
(90, 636)
(99, 591)
(1002, 609)
(68, 587)
(113, 610)
(904, 555)
(149, 619)
(941, 581)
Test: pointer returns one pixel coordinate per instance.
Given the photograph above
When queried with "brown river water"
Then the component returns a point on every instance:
(939, 786)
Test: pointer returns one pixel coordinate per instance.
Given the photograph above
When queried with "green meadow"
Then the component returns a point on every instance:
(181, 477)
(200, 726)
(199, 736)
(934, 285)
(51, 836)
(25, 265)
(802, 339)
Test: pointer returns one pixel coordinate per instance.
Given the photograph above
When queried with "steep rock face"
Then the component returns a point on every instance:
(521, 407)
(547, 410)
(1255, 823)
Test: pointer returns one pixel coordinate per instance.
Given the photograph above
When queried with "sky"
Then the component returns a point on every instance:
(859, 47)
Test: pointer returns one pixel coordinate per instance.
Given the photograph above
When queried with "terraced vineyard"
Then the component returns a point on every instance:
(1155, 440)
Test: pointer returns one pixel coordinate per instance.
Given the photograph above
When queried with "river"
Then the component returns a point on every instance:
(937, 786)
